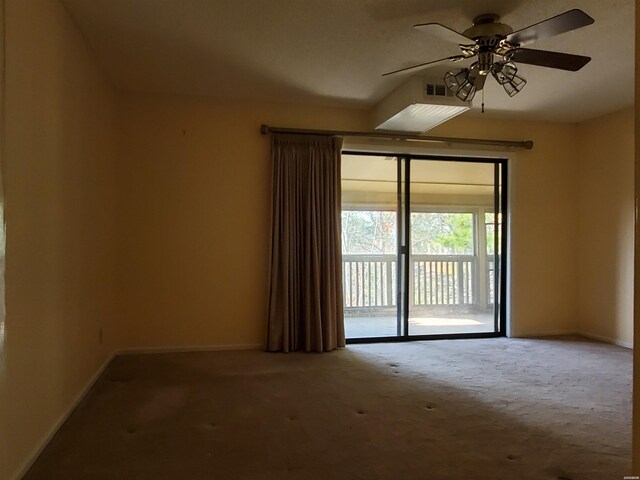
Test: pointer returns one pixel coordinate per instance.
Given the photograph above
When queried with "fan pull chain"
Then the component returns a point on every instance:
(483, 100)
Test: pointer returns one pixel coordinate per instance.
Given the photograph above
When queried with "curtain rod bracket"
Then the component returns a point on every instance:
(524, 144)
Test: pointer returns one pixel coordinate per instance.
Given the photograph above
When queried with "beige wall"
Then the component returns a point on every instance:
(195, 211)
(60, 198)
(194, 205)
(543, 221)
(605, 242)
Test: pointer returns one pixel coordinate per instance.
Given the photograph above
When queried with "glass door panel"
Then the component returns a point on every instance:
(450, 289)
(370, 265)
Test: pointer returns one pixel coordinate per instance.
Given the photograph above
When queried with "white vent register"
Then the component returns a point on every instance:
(417, 106)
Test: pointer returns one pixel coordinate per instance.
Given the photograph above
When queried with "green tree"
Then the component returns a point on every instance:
(434, 233)
(442, 233)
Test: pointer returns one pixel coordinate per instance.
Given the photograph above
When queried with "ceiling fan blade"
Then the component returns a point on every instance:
(443, 33)
(543, 58)
(565, 22)
(453, 58)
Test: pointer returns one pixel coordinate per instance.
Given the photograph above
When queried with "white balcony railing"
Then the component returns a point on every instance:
(435, 280)
(369, 281)
(443, 280)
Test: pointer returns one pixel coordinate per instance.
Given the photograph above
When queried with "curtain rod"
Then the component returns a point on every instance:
(525, 144)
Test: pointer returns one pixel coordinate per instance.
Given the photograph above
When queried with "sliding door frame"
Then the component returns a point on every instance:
(501, 190)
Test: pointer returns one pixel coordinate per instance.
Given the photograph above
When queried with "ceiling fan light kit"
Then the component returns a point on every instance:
(503, 72)
(514, 85)
(506, 74)
(461, 83)
(467, 89)
(498, 48)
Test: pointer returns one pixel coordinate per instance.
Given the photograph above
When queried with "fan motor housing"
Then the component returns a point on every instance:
(487, 25)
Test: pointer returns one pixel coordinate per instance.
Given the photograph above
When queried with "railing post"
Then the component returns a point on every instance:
(460, 281)
(411, 286)
(345, 291)
(482, 274)
(389, 266)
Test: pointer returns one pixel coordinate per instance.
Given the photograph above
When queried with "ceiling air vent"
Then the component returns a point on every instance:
(416, 106)
(437, 90)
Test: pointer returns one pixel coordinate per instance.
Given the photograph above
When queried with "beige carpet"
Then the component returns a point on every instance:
(456, 409)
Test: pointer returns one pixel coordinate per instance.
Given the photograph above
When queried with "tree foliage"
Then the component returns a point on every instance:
(368, 232)
(374, 233)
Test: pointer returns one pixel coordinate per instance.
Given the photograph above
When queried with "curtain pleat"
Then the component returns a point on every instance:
(305, 291)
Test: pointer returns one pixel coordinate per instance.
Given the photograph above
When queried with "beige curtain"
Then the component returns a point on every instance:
(305, 293)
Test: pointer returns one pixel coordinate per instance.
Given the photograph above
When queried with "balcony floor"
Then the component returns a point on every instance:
(419, 324)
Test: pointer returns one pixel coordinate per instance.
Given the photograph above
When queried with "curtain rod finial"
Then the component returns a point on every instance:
(264, 129)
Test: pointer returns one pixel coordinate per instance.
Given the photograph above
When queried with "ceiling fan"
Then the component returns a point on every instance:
(498, 48)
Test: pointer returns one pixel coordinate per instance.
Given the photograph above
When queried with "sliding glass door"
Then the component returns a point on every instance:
(422, 244)
(370, 245)
(449, 279)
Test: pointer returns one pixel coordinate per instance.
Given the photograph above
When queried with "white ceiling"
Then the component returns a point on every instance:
(375, 174)
(333, 52)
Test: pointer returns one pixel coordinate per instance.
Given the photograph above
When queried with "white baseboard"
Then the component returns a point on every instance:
(63, 418)
(554, 333)
(550, 333)
(199, 348)
(613, 341)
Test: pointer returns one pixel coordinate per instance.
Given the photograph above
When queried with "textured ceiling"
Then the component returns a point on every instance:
(333, 52)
